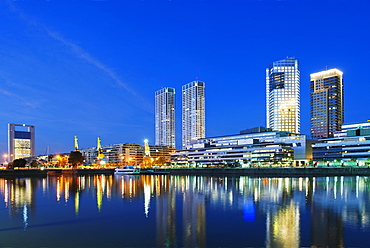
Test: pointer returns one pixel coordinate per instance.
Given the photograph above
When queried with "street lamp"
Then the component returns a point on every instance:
(5, 158)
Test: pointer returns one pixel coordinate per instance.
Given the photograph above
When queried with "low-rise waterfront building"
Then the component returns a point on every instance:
(123, 153)
(350, 146)
(254, 146)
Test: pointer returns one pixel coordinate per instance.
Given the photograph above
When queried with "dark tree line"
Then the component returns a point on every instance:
(76, 158)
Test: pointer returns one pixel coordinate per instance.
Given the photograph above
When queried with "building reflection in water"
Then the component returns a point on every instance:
(194, 213)
(180, 203)
(165, 213)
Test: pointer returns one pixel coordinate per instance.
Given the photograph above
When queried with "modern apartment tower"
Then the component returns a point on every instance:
(327, 112)
(193, 112)
(165, 117)
(21, 142)
(283, 95)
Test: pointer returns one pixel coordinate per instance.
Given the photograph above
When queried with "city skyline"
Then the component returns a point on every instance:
(89, 68)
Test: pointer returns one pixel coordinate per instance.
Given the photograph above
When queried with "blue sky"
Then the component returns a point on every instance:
(90, 68)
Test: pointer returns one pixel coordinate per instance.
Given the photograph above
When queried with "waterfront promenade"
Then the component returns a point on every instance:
(262, 171)
(267, 171)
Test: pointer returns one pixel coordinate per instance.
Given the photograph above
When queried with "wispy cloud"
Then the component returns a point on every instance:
(32, 104)
(78, 51)
(90, 59)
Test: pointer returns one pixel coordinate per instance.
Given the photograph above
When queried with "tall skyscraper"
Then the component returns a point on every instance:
(165, 117)
(21, 141)
(327, 112)
(193, 112)
(283, 96)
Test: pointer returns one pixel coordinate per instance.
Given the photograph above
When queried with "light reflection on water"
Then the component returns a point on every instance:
(184, 211)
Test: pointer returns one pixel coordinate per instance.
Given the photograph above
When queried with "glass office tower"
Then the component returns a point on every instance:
(165, 117)
(21, 141)
(193, 112)
(327, 112)
(283, 96)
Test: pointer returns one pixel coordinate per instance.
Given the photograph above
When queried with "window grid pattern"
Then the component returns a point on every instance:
(165, 117)
(283, 96)
(193, 112)
(327, 105)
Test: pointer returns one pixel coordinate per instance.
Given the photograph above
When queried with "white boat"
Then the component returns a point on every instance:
(127, 170)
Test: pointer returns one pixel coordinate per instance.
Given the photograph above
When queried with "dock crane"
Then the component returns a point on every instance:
(99, 150)
(75, 141)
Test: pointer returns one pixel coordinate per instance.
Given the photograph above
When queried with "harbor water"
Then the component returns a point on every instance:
(184, 211)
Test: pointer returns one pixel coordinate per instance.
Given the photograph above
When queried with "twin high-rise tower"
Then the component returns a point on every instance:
(193, 114)
(165, 117)
(283, 99)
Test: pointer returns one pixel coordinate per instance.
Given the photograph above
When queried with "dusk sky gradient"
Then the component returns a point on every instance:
(90, 68)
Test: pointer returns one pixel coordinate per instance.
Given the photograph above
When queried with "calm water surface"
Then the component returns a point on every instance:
(184, 211)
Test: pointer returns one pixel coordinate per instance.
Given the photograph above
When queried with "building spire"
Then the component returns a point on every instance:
(146, 148)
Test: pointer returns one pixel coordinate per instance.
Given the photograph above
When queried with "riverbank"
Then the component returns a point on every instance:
(296, 171)
(53, 172)
(263, 171)
(23, 173)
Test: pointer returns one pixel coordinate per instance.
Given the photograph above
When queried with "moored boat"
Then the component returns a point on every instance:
(127, 170)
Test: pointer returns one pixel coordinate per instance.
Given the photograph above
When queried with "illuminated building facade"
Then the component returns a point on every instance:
(283, 96)
(165, 117)
(193, 112)
(351, 143)
(252, 146)
(327, 112)
(21, 141)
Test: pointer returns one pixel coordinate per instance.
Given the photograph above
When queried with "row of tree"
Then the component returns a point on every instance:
(75, 158)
